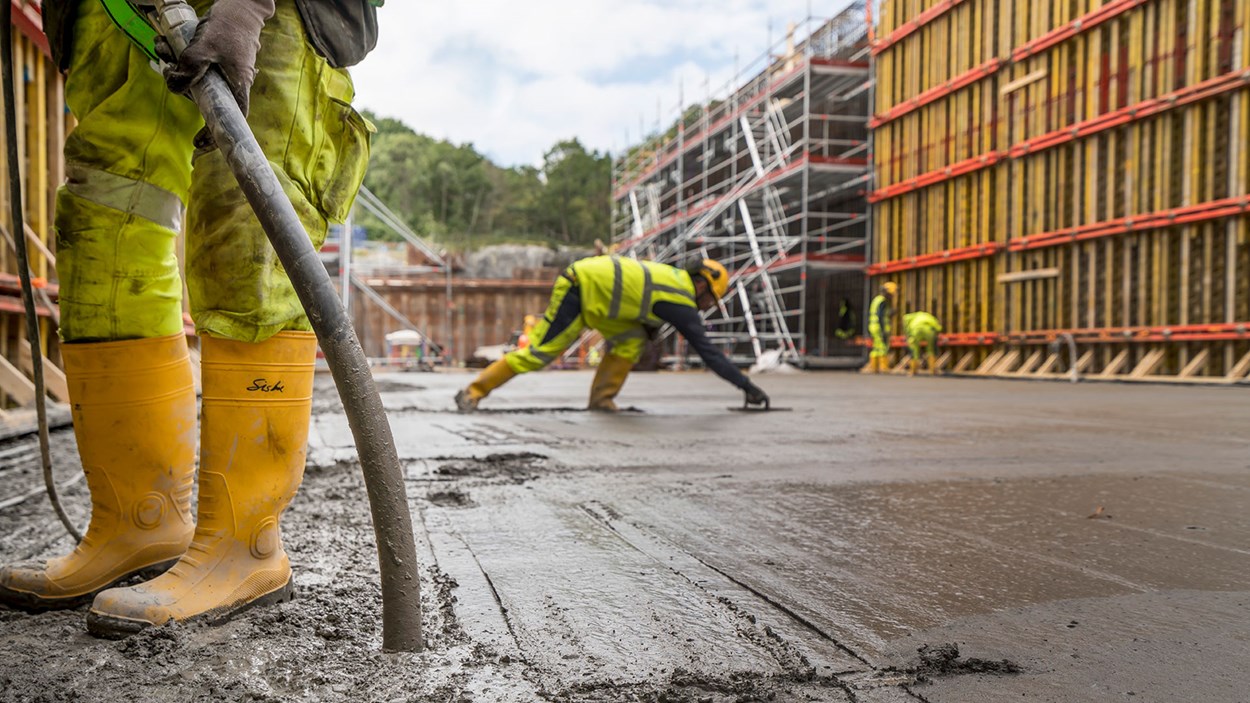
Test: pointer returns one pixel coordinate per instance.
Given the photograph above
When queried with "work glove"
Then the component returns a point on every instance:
(227, 37)
(755, 395)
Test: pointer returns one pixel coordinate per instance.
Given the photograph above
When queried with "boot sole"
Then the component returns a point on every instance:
(33, 603)
(113, 627)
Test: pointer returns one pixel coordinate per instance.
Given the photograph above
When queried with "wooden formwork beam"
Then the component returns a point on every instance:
(965, 361)
(53, 378)
(1049, 365)
(991, 362)
(1148, 364)
(15, 384)
(1117, 364)
(1030, 364)
(1240, 370)
(1195, 364)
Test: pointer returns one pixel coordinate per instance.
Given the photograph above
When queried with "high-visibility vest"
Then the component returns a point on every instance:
(879, 312)
(622, 289)
(915, 323)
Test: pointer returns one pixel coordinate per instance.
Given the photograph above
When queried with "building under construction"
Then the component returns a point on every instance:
(1065, 184)
(768, 176)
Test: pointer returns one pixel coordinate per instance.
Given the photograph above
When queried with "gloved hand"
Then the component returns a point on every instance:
(227, 37)
(755, 395)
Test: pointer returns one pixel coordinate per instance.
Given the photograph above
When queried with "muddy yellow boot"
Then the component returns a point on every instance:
(914, 366)
(256, 408)
(931, 359)
(492, 377)
(133, 404)
(609, 378)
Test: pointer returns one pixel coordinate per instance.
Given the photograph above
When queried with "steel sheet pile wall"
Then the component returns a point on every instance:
(1077, 166)
(484, 312)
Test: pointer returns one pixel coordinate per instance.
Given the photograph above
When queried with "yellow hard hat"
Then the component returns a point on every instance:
(890, 287)
(716, 276)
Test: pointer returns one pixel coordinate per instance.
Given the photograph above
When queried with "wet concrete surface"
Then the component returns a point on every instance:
(889, 539)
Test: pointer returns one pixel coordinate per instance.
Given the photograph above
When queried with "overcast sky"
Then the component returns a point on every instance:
(512, 78)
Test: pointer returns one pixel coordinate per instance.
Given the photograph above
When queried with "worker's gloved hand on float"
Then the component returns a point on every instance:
(755, 395)
(621, 298)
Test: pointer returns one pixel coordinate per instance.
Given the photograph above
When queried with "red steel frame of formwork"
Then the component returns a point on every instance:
(1229, 82)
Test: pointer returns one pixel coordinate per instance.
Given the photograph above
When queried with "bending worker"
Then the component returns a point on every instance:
(623, 299)
(880, 323)
(921, 329)
(137, 166)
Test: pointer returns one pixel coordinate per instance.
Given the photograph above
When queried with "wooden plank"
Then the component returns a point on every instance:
(1008, 363)
(1086, 360)
(1240, 369)
(1049, 365)
(942, 361)
(1148, 364)
(902, 365)
(15, 384)
(1030, 363)
(1195, 364)
(1116, 365)
(990, 362)
(54, 383)
(1022, 82)
(1031, 275)
(965, 361)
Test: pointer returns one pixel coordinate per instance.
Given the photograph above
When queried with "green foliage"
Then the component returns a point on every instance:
(456, 196)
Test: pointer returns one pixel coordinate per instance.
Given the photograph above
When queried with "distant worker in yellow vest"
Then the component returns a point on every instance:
(626, 301)
(527, 328)
(880, 322)
(922, 329)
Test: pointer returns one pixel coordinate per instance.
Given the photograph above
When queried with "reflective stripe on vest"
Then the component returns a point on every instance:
(622, 289)
(127, 195)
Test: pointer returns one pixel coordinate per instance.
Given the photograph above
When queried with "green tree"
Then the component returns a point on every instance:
(455, 194)
(575, 197)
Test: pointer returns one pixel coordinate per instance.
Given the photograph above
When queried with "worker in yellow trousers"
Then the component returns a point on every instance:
(921, 330)
(880, 323)
(140, 171)
(626, 301)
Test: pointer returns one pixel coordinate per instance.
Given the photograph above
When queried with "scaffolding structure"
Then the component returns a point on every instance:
(768, 176)
(1071, 172)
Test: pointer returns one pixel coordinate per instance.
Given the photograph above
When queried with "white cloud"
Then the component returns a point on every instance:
(513, 78)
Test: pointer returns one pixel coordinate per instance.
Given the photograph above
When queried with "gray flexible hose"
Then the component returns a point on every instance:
(379, 461)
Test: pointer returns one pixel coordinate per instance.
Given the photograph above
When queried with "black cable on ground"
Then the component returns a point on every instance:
(23, 260)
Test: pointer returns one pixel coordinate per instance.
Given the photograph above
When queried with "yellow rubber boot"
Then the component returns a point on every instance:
(492, 377)
(931, 359)
(256, 410)
(914, 367)
(133, 405)
(609, 378)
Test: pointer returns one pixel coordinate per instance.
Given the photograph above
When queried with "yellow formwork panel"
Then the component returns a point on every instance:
(1189, 154)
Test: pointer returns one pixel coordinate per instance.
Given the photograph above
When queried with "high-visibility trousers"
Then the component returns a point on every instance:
(922, 335)
(134, 177)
